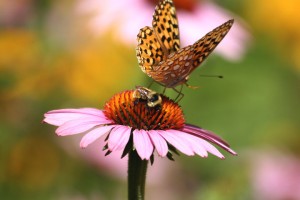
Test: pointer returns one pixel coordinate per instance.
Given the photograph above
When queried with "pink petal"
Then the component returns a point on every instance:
(206, 145)
(118, 138)
(59, 117)
(75, 127)
(142, 143)
(93, 135)
(206, 135)
(179, 142)
(197, 147)
(159, 143)
(210, 148)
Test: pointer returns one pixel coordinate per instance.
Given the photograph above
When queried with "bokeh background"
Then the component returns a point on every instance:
(71, 54)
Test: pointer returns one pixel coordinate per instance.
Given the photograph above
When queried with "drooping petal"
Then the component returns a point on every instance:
(75, 127)
(142, 143)
(206, 135)
(159, 143)
(179, 142)
(193, 144)
(210, 148)
(197, 146)
(118, 138)
(93, 135)
(59, 117)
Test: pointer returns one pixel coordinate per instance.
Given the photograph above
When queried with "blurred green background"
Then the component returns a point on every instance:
(50, 59)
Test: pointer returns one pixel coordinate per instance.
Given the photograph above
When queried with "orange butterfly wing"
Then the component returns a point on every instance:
(179, 65)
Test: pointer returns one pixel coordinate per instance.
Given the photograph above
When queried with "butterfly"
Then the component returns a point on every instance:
(158, 51)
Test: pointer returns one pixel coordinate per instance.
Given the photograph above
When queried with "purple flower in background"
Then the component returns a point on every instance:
(276, 176)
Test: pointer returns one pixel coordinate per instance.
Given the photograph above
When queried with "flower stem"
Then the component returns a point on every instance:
(137, 169)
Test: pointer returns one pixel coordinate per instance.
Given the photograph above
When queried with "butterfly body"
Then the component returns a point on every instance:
(159, 53)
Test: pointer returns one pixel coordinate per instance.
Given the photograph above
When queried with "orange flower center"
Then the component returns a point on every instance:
(125, 109)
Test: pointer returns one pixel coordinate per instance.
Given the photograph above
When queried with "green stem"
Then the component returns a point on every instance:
(137, 169)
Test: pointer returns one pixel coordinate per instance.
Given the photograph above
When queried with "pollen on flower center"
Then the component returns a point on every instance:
(125, 109)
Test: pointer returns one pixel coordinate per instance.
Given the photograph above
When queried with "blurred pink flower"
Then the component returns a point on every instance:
(128, 16)
(276, 176)
(127, 122)
(15, 13)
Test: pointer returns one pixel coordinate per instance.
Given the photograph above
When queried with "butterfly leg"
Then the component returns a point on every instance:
(151, 84)
(180, 94)
(192, 87)
(164, 90)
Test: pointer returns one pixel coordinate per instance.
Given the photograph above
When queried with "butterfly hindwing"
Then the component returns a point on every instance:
(165, 25)
(148, 51)
(175, 69)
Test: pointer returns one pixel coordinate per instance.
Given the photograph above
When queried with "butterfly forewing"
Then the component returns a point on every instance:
(176, 68)
(203, 47)
(148, 51)
(165, 25)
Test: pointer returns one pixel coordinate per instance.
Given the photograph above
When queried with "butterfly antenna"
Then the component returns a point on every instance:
(215, 76)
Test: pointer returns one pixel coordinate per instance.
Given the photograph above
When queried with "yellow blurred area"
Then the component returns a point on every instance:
(24, 66)
(98, 69)
(33, 163)
(94, 64)
(18, 49)
(279, 20)
(89, 71)
(275, 16)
